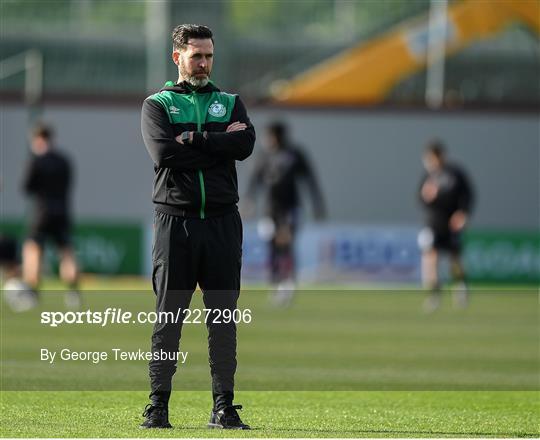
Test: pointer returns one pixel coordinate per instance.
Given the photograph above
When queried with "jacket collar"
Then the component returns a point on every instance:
(186, 88)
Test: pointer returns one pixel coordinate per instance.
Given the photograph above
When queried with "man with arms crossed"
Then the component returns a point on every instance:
(194, 133)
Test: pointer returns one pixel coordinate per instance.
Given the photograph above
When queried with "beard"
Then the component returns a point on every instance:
(192, 79)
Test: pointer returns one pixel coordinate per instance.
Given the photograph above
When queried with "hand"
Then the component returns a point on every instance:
(179, 138)
(236, 126)
(429, 191)
(457, 221)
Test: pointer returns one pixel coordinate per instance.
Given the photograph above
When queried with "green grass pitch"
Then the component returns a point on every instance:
(338, 363)
(279, 414)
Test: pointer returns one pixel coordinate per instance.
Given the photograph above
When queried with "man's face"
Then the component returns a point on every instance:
(431, 162)
(40, 145)
(195, 61)
(272, 143)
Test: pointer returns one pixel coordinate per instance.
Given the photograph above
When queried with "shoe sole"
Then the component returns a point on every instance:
(217, 426)
(155, 427)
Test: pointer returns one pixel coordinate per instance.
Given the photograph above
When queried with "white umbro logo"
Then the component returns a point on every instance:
(174, 110)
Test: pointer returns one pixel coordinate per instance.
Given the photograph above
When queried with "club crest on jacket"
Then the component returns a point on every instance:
(217, 109)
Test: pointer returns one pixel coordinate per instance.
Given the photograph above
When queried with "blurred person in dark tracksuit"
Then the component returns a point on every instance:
(48, 182)
(447, 198)
(17, 294)
(279, 171)
(8, 257)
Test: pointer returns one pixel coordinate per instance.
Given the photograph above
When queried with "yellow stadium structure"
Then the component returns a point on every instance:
(365, 74)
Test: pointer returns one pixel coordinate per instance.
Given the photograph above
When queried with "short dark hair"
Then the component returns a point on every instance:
(43, 131)
(437, 148)
(279, 130)
(182, 33)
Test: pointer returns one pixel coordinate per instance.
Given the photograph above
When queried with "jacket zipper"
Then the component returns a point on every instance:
(201, 177)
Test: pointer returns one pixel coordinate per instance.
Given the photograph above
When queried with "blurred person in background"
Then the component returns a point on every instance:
(280, 169)
(8, 258)
(194, 134)
(447, 198)
(48, 182)
(17, 294)
(9, 263)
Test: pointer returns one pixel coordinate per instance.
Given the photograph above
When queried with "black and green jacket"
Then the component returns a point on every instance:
(197, 180)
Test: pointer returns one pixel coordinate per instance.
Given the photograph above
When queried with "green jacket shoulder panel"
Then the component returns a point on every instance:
(166, 99)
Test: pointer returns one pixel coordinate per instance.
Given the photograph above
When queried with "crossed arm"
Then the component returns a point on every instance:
(205, 149)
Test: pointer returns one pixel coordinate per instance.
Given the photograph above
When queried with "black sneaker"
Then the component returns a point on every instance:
(227, 418)
(156, 417)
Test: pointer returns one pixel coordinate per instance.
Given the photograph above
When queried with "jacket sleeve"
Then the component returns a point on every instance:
(29, 183)
(419, 191)
(160, 142)
(313, 185)
(465, 194)
(237, 145)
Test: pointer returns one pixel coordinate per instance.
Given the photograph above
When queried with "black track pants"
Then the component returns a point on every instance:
(187, 251)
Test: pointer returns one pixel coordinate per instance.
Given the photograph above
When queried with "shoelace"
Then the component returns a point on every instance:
(230, 414)
(153, 411)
